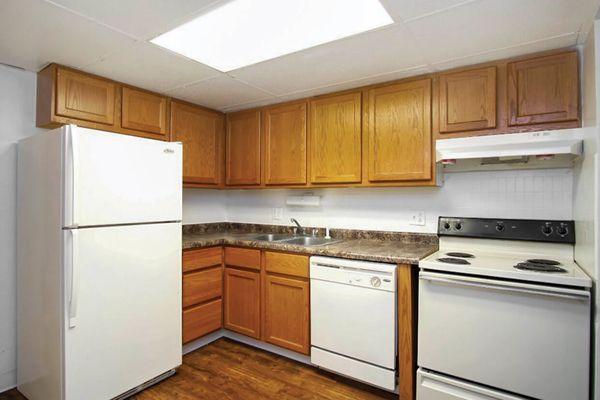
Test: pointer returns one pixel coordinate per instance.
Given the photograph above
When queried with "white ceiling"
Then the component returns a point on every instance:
(110, 38)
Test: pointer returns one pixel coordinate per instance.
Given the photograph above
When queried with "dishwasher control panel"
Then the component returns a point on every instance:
(366, 274)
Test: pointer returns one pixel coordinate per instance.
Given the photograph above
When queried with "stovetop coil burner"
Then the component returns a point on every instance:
(459, 254)
(543, 261)
(450, 260)
(540, 267)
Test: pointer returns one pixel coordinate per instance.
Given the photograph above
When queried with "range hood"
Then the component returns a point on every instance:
(545, 149)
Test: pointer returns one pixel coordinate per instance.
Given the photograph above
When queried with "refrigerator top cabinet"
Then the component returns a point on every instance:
(112, 179)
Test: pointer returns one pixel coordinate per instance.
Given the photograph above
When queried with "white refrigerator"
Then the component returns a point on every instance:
(99, 264)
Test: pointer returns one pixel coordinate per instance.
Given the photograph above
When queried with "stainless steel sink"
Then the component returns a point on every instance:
(311, 241)
(271, 237)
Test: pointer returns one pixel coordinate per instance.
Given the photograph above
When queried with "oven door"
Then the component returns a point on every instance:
(528, 339)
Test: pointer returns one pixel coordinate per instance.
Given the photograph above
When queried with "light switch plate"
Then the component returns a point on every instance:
(417, 218)
(277, 213)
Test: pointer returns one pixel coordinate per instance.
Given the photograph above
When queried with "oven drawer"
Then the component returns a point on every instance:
(523, 338)
(431, 386)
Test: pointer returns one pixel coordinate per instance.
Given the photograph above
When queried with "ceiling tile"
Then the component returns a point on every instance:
(142, 19)
(412, 9)
(491, 24)
(151, 67)
(345, 60)
(420, 70)
(220, 93)
(35, 33)
(528, 48)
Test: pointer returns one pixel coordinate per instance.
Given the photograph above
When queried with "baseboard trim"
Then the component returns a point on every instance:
(211, 337)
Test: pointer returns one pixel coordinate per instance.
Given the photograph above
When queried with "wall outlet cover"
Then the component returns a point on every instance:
(417, 218)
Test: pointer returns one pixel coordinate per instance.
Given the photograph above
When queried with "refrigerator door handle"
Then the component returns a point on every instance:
(74, 290)
(72, 183)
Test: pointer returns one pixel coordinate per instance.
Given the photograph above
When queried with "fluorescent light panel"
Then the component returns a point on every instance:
(245, 32)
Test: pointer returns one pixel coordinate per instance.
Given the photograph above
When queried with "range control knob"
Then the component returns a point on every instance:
(547, 230)
(375, 281)
(499, 227)
(446, 225)
(458, 226)
(562, 231)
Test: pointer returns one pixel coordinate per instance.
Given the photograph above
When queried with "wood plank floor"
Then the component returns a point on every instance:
(230, 370)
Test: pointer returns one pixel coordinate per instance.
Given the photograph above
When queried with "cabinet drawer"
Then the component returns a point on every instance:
(288, 264)
(202, 319)
(202, 285)
(201, 258)
(238, 257)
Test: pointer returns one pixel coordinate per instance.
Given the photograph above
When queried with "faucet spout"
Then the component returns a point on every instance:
(295, 222)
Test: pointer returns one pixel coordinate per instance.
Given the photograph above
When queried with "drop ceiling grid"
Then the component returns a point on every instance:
(427, 36)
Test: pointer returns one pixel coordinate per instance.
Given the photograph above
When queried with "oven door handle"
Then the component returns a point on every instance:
(488, 284)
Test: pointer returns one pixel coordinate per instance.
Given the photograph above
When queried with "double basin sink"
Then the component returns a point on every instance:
(294, 239)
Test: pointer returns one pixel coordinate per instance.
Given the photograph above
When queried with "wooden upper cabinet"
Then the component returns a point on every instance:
(85, 97)
(399, 132)
(242, 302)
(287, 313)
(468, 100)
(201, 132)
(243, 148)
(335, 139)
(543, 90)
(143, 111)
(284, 128)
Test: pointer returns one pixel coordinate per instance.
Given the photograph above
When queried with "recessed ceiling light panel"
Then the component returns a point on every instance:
(245, 32)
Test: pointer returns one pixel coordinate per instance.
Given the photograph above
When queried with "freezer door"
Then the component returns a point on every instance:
(122, 307)
(432, 386)
(119, 179)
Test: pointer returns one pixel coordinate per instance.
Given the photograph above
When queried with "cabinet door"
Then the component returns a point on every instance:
(243, 148)
(242, 302)
(85, 97)
(468, 100)
(285, 144)
(287, 313)
(335, 139)
(543, 89)
(143, 111)
(399, 132)
(201, 133)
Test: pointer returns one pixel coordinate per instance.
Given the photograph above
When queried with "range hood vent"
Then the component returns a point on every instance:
(546, 149)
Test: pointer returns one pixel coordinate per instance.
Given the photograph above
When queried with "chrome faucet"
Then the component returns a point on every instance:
(300, 228)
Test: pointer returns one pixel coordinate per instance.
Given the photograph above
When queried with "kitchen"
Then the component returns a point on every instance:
(400, 202)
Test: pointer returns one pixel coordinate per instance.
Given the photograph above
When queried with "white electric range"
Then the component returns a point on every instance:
(504, 313)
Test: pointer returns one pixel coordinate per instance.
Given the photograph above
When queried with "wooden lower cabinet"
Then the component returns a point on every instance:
(202, 292)
(287, 312)
(241, 310)
(202, 319)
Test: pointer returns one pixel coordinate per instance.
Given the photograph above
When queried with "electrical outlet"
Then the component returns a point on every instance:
(277, 213)
(417, 218)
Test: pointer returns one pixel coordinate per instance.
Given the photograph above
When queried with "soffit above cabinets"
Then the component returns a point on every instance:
(110, 38)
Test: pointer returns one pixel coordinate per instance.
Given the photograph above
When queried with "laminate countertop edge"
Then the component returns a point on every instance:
(387, 251)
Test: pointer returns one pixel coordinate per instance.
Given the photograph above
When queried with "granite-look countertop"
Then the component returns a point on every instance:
(403, 249)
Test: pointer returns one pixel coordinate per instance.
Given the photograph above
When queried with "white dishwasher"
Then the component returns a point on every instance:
(353, 319)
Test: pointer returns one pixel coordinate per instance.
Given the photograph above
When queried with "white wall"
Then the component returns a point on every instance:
(586, 181)
(536, 194)
(17, 120)
(204, 206)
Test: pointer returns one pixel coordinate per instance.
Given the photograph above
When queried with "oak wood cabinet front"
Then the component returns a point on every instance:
(543, 90)
(201, 133)
(335, 139)
(284, 141)
(468, 100)
(287, 312)
(85, 97)
(143, 111)
(399, 132)
(242, 301)
(243, 148)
